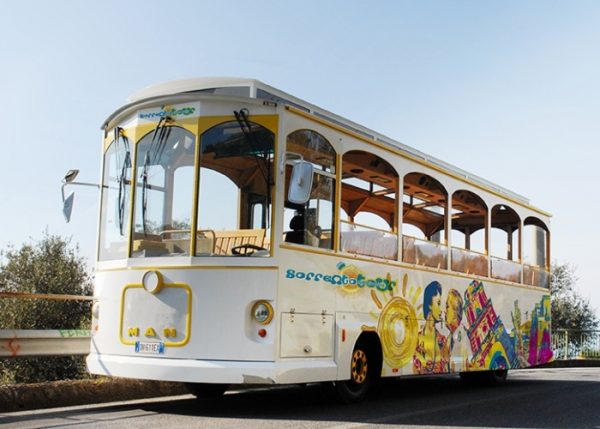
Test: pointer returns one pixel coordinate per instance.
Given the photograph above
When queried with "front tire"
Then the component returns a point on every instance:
(361, 377)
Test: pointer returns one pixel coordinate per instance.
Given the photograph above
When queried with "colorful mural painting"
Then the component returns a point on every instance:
(434, 350)
(532, 338)
(397, 325)
(426, 330)
(491, 345)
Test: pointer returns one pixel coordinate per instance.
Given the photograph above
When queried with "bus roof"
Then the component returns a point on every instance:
(256, 89)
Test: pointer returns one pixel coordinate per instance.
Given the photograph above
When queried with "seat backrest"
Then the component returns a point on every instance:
(295, 237)
(225, 240)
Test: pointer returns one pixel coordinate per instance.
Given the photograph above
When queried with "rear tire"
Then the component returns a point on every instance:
(497, 377)
(206, 390)
(362, 375)
(494, 377)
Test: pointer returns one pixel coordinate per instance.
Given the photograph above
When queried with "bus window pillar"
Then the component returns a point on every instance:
(509, 243)
(337, 228)
(547, 266)
(520, 255)
(487, 240)
(399, 217)
(448, 228)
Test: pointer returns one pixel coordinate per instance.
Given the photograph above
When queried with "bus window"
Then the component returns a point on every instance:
(311, 224)
(504, 246)
(234, 201)
(369, 189)
(116, 184)
(469, 232)
(536, 253)
(424, 237)
(164, 192)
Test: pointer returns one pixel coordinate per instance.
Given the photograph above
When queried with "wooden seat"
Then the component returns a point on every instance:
(225, 240)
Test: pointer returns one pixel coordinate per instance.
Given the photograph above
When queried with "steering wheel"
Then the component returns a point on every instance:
(243, 249)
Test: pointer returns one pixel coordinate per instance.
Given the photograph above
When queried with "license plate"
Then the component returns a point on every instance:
(149, 348)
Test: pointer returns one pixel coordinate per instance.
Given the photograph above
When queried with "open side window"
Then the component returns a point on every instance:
(312, 223)
(536, 253)
(369, 220)
(424, 211)
(469, 233)
(505, 244)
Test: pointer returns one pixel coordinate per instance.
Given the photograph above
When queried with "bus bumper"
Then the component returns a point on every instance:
(213, 371)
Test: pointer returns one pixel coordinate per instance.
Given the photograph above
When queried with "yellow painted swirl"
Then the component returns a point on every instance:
(398, 330)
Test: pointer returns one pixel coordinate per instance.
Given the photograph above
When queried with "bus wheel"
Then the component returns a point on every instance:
(497, 377)
(361, 376)
(206, 390)
(494, 377)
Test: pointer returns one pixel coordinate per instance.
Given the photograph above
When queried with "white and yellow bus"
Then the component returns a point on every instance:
(249, 237)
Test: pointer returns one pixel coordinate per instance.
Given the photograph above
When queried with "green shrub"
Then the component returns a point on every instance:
(48, 266)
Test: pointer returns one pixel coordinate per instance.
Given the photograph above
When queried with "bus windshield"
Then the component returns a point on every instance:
(234, 173)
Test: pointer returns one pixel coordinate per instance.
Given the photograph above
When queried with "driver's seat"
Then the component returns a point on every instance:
(297, 233)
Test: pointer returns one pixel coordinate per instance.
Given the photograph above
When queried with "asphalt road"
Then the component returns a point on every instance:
(540, 398)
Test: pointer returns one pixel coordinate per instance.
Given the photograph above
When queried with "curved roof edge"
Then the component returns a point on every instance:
(191, 85)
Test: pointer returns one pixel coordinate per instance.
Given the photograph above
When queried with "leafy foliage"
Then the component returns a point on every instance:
(569, 309)
(48, 266)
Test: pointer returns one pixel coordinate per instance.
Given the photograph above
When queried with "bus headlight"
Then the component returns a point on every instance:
(96, 310)
(262, 312)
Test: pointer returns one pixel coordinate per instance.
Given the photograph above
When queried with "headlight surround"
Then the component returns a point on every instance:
(262, 312)
(152, 281)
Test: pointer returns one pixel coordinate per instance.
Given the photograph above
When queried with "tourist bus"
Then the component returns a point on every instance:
(247, 237)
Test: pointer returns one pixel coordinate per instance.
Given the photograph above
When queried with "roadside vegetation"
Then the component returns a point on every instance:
(48, 266)
(569, 309)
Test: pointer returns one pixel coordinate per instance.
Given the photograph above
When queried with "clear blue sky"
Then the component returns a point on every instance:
(507, 90)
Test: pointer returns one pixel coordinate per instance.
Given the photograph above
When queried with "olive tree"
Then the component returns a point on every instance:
(569, 309)
(48, 266)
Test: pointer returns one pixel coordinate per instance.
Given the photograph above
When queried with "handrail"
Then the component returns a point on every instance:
(49, 296)
(360, 225)
(422, 240)
(475, 252)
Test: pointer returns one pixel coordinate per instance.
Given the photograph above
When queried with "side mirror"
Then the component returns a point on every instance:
(300, 182)
(68, 206)
(69, 179)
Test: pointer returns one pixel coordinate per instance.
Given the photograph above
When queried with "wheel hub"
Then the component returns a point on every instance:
(359, 366)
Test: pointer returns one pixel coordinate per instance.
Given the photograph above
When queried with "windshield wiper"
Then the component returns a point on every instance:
(160, 136)
(144, 178)
(246, 127)
(157, 147)
(121, 178)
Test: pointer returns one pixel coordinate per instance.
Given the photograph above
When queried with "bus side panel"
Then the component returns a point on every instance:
(427, 322)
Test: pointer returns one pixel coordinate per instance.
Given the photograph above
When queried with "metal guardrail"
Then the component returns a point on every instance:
(49, 296)
(570, 344)
(44, 342)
